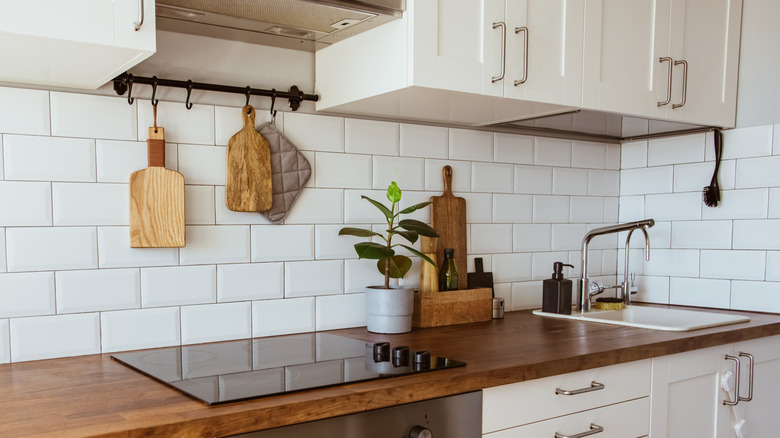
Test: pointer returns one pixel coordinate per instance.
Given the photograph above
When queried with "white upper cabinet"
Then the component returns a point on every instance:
(665, 59)
(74, 43)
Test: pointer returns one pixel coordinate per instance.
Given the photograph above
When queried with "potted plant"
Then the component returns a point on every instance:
(389, 308)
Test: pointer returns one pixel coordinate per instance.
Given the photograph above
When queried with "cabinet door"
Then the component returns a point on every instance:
(686, 399)
(761, 413)
(623, 41)
(551, 68)
(705, 34)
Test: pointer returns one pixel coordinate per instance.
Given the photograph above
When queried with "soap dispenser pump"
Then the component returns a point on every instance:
(556, 291)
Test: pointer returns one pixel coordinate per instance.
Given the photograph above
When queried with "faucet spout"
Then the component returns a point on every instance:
(626, 288)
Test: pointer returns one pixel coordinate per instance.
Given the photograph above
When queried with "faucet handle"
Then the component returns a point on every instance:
(632, 289)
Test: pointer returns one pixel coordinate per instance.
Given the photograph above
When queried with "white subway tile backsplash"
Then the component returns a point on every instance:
(329, 245)
(774, 203)
(141, 328)
(570, 181)
(675, 206)
(552, 152)
(613, 157)
(604, 183)
(281, 317)
(693, 177)
(673, 262)
(39, 249)
(199, 208)
(313, 278)
(739, 204)
(202, 164)
(90, 204)
(632, 208)
(358, 210)
(491, 178)
(490, 238)
(611, 209)
(2, 250)
(700, 292)
(701, 234)
(208, 244)
(757, 296)
(5, 341)
(91, 116)
(331, 171)
(216, 322)
(228, 121)
(25, 203)
(509, 209)
(371, 137)
(115, 252)
(652, 290)
(225, 216)
(193, 126)
(533, 179)
(758, 172)
(633, 154)
(773, 265)
(747, 142)
(526, 295)
(323, 206)
(466, 144)
(660, 236)
(49, 158)
(277, 243)
(511, 267)
(551, 209)
(116, 160)
(250, 281)
(515, 149)
(674, 150)
(646, 180)
(434, 177)
(756, 234)
(340, 311)
(174, 286)
(589, 155)
(361, 273)
(733, 265)
(588, 208)
(542, 263)
(408, 173)
(27, 294)
(45, 337)
(424, 141)
(567, 236)
(24, 111)
(98, 290)
(479, 208)
(315, 133)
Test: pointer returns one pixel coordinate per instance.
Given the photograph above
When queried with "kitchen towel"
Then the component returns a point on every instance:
(290, 170)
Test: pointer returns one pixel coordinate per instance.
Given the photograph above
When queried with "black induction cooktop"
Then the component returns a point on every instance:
(223, 372)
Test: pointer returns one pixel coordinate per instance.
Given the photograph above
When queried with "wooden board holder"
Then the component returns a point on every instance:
(436, 309)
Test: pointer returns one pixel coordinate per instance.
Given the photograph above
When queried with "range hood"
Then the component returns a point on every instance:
(293, 24)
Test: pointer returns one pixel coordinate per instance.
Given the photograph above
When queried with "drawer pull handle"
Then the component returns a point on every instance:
(594, 429)
(594, 386)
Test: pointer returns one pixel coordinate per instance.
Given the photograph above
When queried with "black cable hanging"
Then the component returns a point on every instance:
(124, 84)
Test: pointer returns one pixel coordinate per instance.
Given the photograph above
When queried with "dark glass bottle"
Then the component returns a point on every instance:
(448, 272)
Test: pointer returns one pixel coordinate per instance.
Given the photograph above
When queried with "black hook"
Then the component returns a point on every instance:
(154, 90)
(273, 102)
(189, 91)
(130, 88)
(248, 94)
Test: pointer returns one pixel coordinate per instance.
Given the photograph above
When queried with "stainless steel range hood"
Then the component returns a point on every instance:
(293, 24)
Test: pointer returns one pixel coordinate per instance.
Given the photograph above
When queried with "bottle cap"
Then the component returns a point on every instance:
(558, 270)
(449, 252)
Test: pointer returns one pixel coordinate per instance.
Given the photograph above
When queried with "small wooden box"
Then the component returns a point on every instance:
(435, 309)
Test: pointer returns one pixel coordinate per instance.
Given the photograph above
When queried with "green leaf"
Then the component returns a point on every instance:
(393, 193)
(386, 211)
(414, 207)
(359, 232)
(420, 255)
(408, 235)
(399, 266)
(421, 227)
(371, 250)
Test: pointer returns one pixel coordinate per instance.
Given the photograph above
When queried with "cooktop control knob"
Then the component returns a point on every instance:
(401, 356)
(422, 360)
(382, 352)
(420, 432)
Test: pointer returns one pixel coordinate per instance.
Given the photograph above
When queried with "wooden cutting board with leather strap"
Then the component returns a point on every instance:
(156, 199)
(248, 168)
(448, 218)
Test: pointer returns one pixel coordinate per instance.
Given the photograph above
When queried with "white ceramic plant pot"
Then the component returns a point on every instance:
(389, 310)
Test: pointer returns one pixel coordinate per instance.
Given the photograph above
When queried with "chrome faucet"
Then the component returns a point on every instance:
(586, 289)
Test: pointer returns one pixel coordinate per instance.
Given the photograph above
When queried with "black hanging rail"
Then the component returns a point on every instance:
(124, 84)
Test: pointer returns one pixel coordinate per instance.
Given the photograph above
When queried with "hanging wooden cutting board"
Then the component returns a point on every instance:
(248, 168)
(448, 218)
(156, 200)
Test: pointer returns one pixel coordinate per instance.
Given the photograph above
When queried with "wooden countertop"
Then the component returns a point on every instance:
(95, 396)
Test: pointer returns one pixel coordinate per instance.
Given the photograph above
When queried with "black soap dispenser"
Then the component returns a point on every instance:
(556, 295)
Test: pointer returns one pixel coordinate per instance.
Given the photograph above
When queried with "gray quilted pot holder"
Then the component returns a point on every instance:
(290, 170)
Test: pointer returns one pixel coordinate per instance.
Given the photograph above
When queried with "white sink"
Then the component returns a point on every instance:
(656, 318)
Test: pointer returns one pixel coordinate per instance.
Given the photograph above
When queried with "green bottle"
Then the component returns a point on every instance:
(448, 273)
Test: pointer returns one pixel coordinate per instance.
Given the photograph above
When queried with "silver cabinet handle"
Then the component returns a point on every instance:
(525, 54)
(668, 81)
(685, 83)
(594, 429)
(750, 377)
(502, 25)
(137, 25)
(594, 386)
(736, 385)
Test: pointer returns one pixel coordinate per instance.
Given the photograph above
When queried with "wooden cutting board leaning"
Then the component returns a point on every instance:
(448, 218)
(156, 199)
(248, 168)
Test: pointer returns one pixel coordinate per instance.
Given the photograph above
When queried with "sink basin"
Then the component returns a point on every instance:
(655, 318)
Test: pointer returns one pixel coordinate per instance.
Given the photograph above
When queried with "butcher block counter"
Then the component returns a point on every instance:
(95, 396)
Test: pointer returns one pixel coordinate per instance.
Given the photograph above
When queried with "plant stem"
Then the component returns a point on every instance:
(389, 239)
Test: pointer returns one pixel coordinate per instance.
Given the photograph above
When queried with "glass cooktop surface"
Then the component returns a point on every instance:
(229, 371)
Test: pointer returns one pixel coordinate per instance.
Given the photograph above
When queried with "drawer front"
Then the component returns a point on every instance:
(623, 420)
(521, 403)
